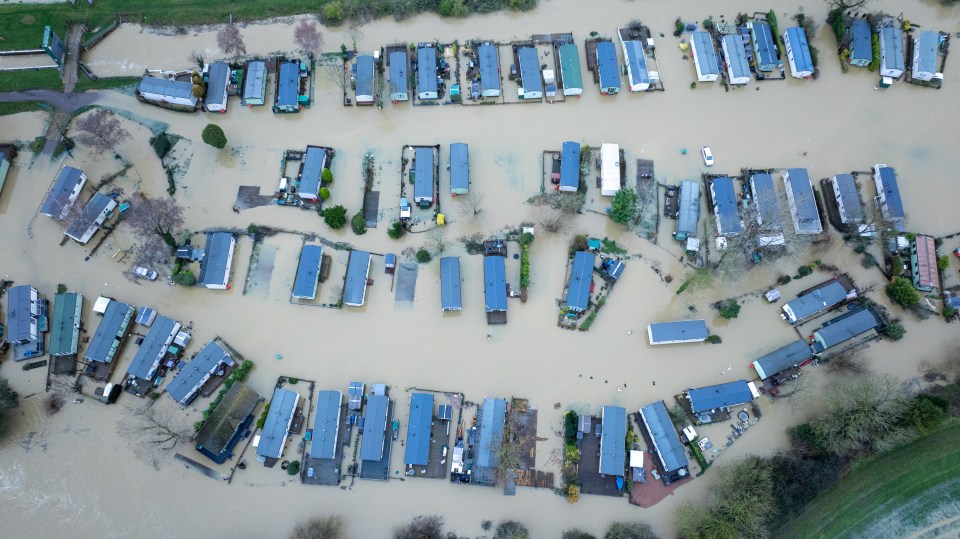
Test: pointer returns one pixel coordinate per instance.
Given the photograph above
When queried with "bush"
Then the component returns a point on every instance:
(319, 528)
(875, 62)
(570, 427)
(835, 19)
(895, 331)
(896, 266)
(901, 292)
(214, 136)
(324, 193)
(630, 530)
(623, 209)
(929, 412)
(333, 13)
(860, 249)
(943, 262)
(422, 527)
(774, 27)
(358, 224)
(423, 256)
(335, 217)
(949, 312)
(525, 266)
(185, 278)
(293, 468)
(326, 176)
(784, 279)
(868, 261)
(803, 271)
(573, 494)
(511, 529)
(729, 309)
(714, 339)
(396, 230)
(577, 533)
(161, 144)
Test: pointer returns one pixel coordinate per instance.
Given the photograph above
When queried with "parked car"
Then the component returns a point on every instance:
(145, 273)
(707, 156)
(404, 209)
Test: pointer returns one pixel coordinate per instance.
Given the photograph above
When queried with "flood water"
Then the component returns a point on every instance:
(74, 473)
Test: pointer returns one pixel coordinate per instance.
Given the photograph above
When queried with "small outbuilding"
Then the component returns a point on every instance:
(680, 332)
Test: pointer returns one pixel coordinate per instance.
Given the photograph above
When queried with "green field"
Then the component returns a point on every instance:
(21, 25)
(896, 494)
(18, 107)
(29, 80)
(105, 83)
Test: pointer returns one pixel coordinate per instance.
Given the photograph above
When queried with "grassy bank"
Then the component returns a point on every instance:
(21, 25)
(31, 80)
(105, 83)
(16, 108)
(905, 484)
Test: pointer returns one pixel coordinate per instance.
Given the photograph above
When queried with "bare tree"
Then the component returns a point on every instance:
(472, 206)
(319, 528)
(101, 131)
(308, 37)
(864, 414)
(851, 361)
(162, 217)
(438, 239)
(152, 251)
(230, 41)
(155, 429)
(422, 527)
(551, 219)
(507, 453)
(53, 403)
(846, 5)
(335, 70)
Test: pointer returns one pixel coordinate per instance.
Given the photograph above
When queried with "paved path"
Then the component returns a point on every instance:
(74, 35)
(58, 100)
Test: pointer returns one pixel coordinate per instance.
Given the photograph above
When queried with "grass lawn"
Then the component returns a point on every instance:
(21, 25)
(906, 478)
(105, 83)
(30, 80)
(16, 108)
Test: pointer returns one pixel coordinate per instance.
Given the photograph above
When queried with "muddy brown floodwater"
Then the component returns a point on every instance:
(73, 473)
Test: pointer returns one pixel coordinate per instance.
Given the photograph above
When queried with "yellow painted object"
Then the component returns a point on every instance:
(441, 219)
(684, 47)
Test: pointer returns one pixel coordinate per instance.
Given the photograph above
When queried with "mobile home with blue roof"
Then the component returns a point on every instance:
(764, 49)
(355, 282)
(492, 419)
(703, 400)
(738, 68)
(308, 271)
(191, 377)
(794, 354)
(662, 436)
(495, 289)
(803, 204)
(569, 167)
(888, 193)
(111, 331)
(168, 92)
(613, 433)
(488, 56)
(684, 331)
(704, 57)
(861, 43)
(798, 52)
(64, 193)
(532, 84)
(891, 49)
(824, 297)
(288, 87)
(276, 426)
(364, 79)
(218, 78)
(581, 280)
(418, 430)
(326, 425)
(143, 368)
(459, 169)
(844, 328)
(399, 80)
(769, 219)
(638, 77)
(450, 296)
(608, 67)
(427, 83)
(925, 55)
(217, 261)
(844, 191)
(725, 207)
(311, 173)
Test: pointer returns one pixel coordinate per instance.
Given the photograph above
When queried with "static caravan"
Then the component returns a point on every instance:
(423, 181)
(861, 44)
(427, 86)
(570, 69)
(798, 52)
(399, 82)
(489, 59)
(891, 49)
(637, 74)
(459, 169)
(531, 83)
(925, 55)
(608, 67)
(167, 91)
(738, 67)
(609, 169)
(764, 49)
(704, 57)
(255, 84)
(364, 80)
(218, 78)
